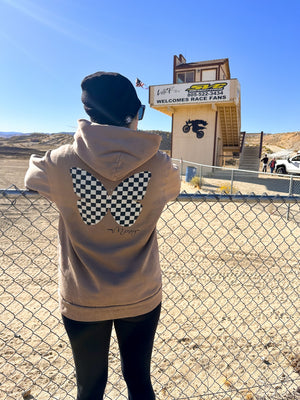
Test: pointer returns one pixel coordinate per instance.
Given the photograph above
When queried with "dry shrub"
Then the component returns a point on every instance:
(295, 362)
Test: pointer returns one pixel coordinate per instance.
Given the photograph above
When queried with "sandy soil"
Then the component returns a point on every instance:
(13, 172)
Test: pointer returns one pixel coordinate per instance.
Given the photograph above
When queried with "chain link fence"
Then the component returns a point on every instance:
(229, 327)
(232, 181)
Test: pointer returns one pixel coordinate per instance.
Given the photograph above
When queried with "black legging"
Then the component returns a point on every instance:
(90, 346)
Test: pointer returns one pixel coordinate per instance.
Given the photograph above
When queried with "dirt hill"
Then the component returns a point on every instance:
(23, 146)
(287, 141)
(37, 143)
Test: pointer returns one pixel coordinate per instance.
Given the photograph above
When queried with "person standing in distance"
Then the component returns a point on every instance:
(265, 163)
(110, 186)
(272, 164)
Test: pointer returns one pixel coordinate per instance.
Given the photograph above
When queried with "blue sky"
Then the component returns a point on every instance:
(48, 46)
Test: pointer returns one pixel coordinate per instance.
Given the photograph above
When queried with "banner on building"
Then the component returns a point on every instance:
(188, 93)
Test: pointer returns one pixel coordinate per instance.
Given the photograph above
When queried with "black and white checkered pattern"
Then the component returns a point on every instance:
(124, 202)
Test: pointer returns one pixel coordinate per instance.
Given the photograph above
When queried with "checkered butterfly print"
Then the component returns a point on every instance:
(124, 202)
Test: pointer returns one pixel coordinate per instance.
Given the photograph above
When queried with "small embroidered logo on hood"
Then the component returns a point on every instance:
(124, 202)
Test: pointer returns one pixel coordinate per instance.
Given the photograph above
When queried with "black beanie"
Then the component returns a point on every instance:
(109, 98)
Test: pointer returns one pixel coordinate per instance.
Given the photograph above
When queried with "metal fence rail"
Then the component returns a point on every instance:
(230, 321)
(221, 179)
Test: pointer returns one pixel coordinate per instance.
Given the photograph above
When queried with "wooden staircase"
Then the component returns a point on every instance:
(251, 152)
(230, 126)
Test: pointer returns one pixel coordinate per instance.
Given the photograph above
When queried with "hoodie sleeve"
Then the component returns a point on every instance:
(37, 177)
(171, 179)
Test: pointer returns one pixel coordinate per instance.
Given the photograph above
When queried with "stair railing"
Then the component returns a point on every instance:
(243, 141)
(261, 143)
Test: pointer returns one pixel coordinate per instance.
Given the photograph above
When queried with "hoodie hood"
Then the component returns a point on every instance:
(113, 151)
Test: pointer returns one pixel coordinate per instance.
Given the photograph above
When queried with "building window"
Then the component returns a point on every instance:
(182, 77)
(208, 75)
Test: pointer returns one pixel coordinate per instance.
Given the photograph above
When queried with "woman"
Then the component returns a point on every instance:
(110, 187)
(272, 165)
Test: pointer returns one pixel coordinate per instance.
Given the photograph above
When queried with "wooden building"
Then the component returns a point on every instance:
(204, 103)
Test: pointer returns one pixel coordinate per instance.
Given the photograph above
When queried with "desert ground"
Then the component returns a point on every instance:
(230, 321)
(15, 153)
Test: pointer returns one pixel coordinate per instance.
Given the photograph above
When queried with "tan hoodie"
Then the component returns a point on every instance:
(110, 187)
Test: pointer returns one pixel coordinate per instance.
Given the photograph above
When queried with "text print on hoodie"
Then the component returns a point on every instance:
(110, 187)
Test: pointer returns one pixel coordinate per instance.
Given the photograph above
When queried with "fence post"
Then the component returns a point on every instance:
(291, 186)
(290, 194)
(231, 184)
(181, 167)
(200, 175)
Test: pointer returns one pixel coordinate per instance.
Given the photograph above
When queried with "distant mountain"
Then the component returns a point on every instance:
(10, 134)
